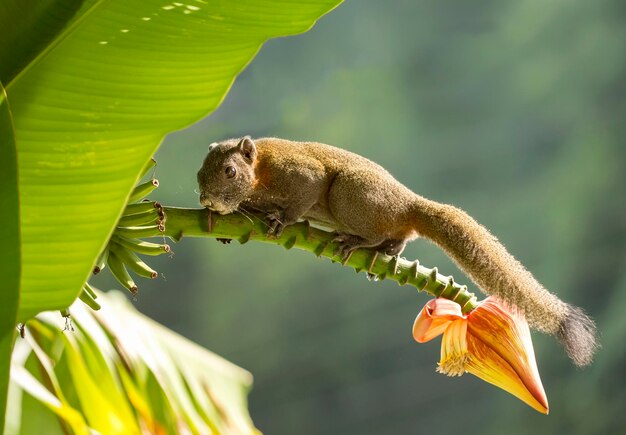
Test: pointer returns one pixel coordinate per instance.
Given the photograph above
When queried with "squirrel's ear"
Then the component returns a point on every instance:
(212, 146)
(247, 148)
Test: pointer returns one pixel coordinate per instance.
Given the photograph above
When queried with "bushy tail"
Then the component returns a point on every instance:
(577, 332)
(479, 254)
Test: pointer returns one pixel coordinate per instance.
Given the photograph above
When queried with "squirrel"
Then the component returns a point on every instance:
(369, 208)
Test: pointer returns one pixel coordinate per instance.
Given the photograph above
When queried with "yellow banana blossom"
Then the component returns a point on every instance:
(492, 342)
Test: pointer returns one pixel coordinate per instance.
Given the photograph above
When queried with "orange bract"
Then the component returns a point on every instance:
(492, 342)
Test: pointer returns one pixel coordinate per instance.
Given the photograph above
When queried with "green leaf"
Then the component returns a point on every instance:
(10, 251)
(28, 383)
(102, 410)
(118, 371)
(54, 400)
(93, 90)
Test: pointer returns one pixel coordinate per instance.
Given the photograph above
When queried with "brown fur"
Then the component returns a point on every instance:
(369, 208)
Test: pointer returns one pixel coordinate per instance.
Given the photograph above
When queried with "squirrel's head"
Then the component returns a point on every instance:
(227, 174)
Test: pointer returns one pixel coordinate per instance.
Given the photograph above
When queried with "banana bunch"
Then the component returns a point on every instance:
(140, 219)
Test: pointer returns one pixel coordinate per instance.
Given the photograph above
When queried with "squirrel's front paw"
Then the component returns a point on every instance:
(275, 224)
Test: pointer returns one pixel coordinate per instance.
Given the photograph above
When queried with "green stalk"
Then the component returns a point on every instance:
(195, 223)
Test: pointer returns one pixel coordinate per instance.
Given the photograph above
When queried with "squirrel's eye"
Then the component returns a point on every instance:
(230, 171)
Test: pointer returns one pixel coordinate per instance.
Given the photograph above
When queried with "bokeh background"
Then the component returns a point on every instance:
(514, 110)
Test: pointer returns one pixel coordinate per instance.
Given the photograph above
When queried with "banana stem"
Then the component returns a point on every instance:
(200, 223)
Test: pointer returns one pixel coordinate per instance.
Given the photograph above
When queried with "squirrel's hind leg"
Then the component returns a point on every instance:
(350, 242)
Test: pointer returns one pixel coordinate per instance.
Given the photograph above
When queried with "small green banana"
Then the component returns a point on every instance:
(143, 190)
(120, 273)
(141, 246)
(89, 289)
(140, 219)
(139, 232)
(88, 297)
(133, 262)
(101, 261)
(140, 207)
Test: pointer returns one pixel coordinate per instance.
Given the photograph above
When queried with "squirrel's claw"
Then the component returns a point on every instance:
(275, 225)
(344, 252)
(347, 244)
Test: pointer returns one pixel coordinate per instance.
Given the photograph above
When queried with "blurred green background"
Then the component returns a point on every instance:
(512, 110)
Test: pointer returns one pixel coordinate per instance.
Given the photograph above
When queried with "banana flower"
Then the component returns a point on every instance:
(492, 342)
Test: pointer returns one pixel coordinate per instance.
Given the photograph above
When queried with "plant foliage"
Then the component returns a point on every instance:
(92, 86)
(116, 371)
